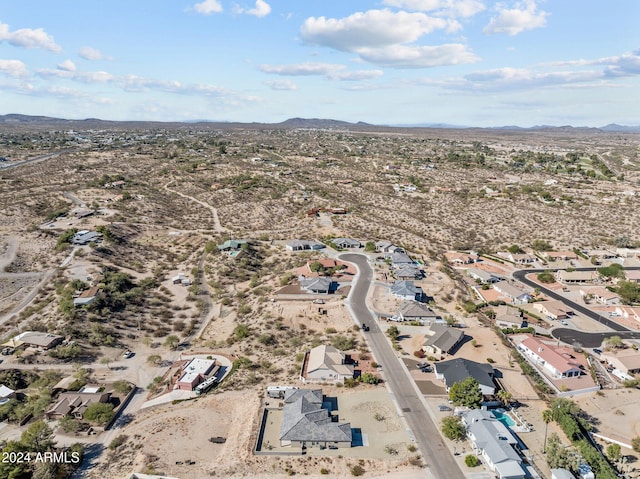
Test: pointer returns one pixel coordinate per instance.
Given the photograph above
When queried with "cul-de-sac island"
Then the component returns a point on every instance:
(317, 298)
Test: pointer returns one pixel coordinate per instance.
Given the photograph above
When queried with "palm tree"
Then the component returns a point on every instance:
(547, 416)
(504, 396)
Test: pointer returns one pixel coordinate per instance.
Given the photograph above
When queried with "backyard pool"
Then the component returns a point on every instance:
(504, 418)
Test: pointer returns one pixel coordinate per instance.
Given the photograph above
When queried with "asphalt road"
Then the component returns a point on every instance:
(571, 336)
(521, 276)
(437, 456)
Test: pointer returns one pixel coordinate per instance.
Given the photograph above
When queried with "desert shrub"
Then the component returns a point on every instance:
(357, 470)
(471, 461)
(118, 441)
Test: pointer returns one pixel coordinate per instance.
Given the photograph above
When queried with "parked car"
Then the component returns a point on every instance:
(427, 369)
(597, 351)
(318, 301)
(444, 407)
(365, 327)
(128, 354)
(421, 365)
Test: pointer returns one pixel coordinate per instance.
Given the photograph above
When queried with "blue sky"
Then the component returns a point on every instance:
(464, 62)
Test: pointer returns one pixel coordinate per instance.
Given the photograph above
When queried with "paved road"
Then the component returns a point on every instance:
(437, 456)
(590, 340)
(34, 159)
(571, 336)
(521, 276)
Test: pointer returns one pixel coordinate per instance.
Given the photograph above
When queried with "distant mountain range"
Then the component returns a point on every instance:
(314, 123)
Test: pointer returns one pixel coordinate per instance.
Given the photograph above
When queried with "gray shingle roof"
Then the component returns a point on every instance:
(456, 370)
(411, 310)
(303, 419)
(444, 337)
(316, 284)
(405, 288)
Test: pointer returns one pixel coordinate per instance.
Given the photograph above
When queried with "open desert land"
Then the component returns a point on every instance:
(164, 198)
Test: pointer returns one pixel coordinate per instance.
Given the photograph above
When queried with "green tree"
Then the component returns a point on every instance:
(546, 277)
(369, 247)
(369, 378)
(504, 396)
(172, 341)
(122, 387)
(466, 393)
(241, 331)
(38, 437)
(154, 359)
(614, 270)
(515, 249)
(12, 469)
(557, 455)
(629, 291)
(635, 443)
(471, 461)
(613, 452)
(541, 245)
(547, 417)
(393, 332)
(99, 413)
(452, 428)
(614, 342)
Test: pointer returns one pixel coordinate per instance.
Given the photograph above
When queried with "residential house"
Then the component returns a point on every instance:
(86, 297)
(387, 247)
(345, 243)
(329, 265)
(306, 423)
(75, 404)
(560, 255)
(632, 275)
(326, 364)
(35, 339)
(319, 285)
(602, 254)
(182, 279)
(495, 442)
(407, 290)
(555, 361)
(509, 317)
(232, 245)
(625, 360)
(85, 237)
(6, 394)
(196, 371)
(576, 277)
(413, 311)
(521, 258)
(628, 312)
(561, 474)
(303, 245)
(485, 277)
(407, 271)
(442, 339)
(601, 295)
(455, 370)
(456, 258)
(553, 309)
(400, 259)
(515, 293)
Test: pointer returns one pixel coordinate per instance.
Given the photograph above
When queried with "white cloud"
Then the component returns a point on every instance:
(405, 56)
(331, 71)
(29, 38)
(281, 85)
(93, 54)
(13, 68)
(524, 16)
(262, 9)
(452, 8)
(67, 66)
(302, 69)
(374, 28)
(207, 7)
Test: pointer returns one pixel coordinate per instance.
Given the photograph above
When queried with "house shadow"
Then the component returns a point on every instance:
(330, 403)
(356, 437)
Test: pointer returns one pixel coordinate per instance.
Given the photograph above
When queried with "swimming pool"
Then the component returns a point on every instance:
(504, 418)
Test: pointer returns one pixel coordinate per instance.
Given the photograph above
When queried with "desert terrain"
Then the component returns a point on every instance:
(164, 199)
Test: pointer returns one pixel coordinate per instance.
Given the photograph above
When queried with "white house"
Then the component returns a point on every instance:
(495, 443)
(557, 363)
(326, 364)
